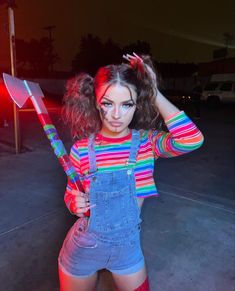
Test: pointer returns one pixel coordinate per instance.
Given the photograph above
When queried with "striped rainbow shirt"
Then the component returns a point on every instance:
(112, 153)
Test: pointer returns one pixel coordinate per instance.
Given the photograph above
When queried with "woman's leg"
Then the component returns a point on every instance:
(70, 283)
(131, 282)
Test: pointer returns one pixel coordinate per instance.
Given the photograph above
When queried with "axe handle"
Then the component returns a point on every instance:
(59, 150)
(54, 139)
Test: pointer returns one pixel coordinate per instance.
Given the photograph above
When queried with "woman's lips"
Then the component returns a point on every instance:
(116, 124)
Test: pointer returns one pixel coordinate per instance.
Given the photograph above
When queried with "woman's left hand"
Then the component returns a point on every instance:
(135, 59)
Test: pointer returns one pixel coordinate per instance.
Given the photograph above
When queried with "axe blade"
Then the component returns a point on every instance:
(36, 95)
(35, 89)
(16, 89)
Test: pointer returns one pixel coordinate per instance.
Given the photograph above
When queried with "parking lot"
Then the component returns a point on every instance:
(188, 234)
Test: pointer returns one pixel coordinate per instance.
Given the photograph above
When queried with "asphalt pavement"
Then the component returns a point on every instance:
(188, 234)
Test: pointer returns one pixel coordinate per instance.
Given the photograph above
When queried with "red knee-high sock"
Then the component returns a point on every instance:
(144, 286)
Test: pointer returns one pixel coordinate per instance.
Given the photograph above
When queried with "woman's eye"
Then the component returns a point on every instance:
(106, 104)
(128, 105)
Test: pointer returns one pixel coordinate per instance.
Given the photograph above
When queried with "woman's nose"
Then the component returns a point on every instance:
(116, 112)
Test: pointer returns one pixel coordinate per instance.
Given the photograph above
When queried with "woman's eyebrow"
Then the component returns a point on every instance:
(104, 97)
(126, 101)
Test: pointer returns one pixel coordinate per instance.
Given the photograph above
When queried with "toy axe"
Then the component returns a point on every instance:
(20, 91)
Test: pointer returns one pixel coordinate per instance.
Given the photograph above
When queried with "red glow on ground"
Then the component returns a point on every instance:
(6, 108)
(4, 95)
(52, 103)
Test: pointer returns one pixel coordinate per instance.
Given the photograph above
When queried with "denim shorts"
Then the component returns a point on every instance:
(83, 254)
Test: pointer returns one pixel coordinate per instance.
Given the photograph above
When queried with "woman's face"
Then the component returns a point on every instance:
(116, 107)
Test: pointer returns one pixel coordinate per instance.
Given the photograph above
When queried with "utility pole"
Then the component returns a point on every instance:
(228, 37)
(10, 5)
(50, 29)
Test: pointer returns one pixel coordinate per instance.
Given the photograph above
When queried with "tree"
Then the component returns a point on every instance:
(10, 3)
(139, 47)
(94, 54)
(36, 55)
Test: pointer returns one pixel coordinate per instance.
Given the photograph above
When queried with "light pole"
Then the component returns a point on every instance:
(10, 5)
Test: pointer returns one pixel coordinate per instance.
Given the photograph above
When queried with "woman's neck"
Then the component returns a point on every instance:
(110, 134)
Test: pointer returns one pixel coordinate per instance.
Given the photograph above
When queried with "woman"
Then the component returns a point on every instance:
(115, 118)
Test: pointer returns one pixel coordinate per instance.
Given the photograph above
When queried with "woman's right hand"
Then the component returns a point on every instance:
(80, 203)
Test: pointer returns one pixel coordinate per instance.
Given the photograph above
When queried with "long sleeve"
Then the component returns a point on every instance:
(183, 137)
(75, 160)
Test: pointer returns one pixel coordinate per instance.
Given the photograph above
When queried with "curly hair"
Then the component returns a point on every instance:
(80, 111)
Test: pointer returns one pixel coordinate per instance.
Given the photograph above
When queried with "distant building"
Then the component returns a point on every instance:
(220, 66)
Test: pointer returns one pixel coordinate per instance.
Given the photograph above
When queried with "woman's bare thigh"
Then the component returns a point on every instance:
(131, 281)
(71, 283)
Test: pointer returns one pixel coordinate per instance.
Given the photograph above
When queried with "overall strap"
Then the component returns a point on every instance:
(135, 144)
(91, 154)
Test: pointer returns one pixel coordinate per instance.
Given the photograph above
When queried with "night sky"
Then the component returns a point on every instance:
(178, 31)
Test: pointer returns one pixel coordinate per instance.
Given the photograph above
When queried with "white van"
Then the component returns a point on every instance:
(220, 89)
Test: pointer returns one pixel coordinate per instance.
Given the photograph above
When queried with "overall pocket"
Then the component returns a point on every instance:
(82, 237)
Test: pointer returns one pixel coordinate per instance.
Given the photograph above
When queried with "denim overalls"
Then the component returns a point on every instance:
(111, 238)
